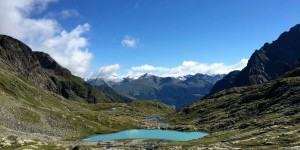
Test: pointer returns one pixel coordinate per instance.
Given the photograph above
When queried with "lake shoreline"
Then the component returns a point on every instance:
(156, 134)
(28, 140)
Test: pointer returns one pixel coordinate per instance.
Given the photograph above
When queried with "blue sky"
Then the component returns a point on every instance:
(165, 37)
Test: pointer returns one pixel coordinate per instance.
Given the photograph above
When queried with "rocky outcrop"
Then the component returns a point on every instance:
(17, 57)
(225, 82)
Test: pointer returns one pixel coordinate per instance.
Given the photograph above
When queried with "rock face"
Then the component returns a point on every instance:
(172, 91)
(226, 82)
(267, 63)
(17, 57)
(41, 69)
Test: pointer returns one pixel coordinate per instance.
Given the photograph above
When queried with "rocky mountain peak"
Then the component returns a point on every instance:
(47, 62)
(146, 75)
(19, 58)
(267, 63)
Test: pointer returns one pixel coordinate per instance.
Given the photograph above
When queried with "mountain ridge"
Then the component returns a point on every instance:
(43, 70)
(267, 63)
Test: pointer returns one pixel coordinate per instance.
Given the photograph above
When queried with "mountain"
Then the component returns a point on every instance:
(41, 69)
(178, 92)
(267, 63)
(258, 116)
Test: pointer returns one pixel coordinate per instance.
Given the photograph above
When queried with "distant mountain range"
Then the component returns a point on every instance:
(178, 92)
(267, 63)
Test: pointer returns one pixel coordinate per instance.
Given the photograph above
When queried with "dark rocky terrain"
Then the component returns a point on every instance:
(267, 63)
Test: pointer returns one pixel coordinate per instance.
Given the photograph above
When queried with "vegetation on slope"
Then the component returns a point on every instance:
(260, 116)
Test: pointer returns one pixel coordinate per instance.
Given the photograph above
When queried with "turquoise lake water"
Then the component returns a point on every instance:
(147, 134)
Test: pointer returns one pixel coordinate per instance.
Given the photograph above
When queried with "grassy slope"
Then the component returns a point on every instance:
(27, 110)
(263, 116)
(44, 71)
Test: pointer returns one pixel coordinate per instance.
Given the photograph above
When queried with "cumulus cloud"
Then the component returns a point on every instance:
(107, 71)
(68, 48)
(130, 42)
(192, 67)
(186, 68)
(45, 34)
(16, 22)
(189, 67)
(148, 68)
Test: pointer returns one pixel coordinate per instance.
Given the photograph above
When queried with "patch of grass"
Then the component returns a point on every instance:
(26, 115)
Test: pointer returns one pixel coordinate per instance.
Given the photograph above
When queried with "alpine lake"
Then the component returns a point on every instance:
(170, 135)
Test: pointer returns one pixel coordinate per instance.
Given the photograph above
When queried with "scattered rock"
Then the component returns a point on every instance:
(76, 148)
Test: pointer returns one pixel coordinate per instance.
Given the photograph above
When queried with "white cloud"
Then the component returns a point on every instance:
(44, 34)
(192, 67)
(16, 22)
(186, 68)
(107, 71)
(68, 48)
(64, 14)
(148, 68)
(69, 13)
(130, 42)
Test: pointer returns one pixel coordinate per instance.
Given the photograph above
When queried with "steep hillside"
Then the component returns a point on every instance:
(259, 116)
(172, 91)
(40, 68)
(267, 63)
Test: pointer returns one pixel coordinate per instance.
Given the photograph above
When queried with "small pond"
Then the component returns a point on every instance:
(147, 134)
(156, 119)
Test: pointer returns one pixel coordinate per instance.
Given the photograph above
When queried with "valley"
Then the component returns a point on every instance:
(31, 113)
(44, 106)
